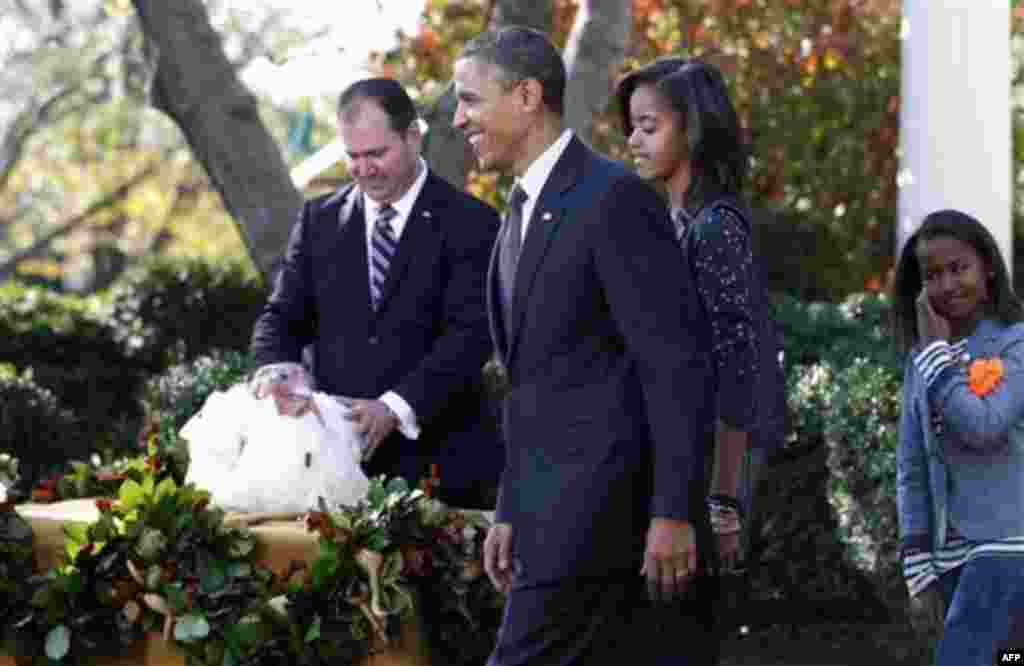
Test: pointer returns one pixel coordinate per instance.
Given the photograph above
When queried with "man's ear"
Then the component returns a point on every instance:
(414, 135)
(532, 95)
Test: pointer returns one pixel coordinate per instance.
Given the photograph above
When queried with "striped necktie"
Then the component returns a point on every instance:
(382, 249)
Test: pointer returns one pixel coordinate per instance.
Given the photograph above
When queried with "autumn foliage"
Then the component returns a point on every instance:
(817, 86)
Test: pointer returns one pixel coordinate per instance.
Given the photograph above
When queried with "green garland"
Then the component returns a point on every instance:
(159, 558)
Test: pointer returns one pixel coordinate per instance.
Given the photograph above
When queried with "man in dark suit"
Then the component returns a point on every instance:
(601, 509)
(385, 280)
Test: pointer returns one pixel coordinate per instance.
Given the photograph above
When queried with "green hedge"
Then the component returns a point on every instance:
(72, 351)
(843, 380)
(35, 428)
(173, 310)
(95, 353)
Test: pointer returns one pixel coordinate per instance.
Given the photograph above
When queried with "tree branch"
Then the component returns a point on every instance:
(8, 268)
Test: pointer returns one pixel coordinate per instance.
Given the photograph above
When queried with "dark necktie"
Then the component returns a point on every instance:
(382, 249)
(508, 257)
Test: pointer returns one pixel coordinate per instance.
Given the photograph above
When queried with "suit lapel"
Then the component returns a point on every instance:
(351, 267)
(419, 229)
(498, 336)
(547, 215)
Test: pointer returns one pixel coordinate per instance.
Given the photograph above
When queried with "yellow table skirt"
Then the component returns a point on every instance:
(282, 543)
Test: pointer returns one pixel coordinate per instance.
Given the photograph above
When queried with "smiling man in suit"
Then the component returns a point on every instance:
(601, 507)
(385, 280)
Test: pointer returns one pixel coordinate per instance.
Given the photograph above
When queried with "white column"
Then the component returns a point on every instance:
(955, 132)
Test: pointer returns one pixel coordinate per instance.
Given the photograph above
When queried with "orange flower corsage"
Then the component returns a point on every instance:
(983, 375)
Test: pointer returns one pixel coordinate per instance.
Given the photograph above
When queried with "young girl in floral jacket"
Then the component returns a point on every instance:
(960, 462)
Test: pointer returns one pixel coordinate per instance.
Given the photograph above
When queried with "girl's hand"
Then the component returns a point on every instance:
(930, 326)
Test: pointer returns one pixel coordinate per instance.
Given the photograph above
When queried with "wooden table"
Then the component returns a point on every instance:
(283, 542)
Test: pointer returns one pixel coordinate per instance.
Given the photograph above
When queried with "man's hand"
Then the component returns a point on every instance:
(670, 559)
(374, 421)
(729, 556)
(498, 556)
(930, 325)
(928, 612)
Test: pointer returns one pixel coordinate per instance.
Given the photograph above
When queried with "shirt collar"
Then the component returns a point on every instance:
(403, 206)
(539, 171)
(681, 219)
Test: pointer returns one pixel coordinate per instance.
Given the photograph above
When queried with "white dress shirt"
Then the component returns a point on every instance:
(407, 423)
(537, 175)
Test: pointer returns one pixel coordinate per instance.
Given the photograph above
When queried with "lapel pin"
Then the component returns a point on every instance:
(426, 213)
(546, 216)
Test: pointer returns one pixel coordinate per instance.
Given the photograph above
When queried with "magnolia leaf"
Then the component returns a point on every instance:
(150, 544)
(375, 496)
(397, 485)
(191, 628)
(73, 583)
(154, 574)
(176, 597)
(392, 567)
(184, 521)
(58, 642)
(166, 487)
(213, 576)
(131, 494)
(314, 630)
(279, 605)
(247, 631)
(41, 597)
(324, 568)
(242, 544)
(342, 521)
(377, 541)
(77, 532)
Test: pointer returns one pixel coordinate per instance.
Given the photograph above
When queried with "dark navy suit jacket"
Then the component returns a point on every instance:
(608, 416)
(427, 341)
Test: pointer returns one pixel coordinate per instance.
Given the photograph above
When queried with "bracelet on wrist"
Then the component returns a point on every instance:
(725, 502)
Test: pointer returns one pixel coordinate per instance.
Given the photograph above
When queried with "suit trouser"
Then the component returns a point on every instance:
(607, 621)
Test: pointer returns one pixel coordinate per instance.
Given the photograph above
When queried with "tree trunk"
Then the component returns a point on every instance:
(196, 85)
(596, 46)
(532, 14)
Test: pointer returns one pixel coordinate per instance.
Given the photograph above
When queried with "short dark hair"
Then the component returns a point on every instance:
(388, 94)
(522, 53)
(908, 282)
(696, 90)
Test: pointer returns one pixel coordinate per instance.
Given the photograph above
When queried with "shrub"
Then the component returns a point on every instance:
(73, 353)
(173, 397)
(172, 310)
(35, 428)
(833, 487)
(856, 328)
(861, 434)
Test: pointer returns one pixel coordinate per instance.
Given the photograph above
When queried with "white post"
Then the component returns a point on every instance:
(955, 131)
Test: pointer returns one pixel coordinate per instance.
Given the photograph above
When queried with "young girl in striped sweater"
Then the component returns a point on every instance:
(960, 462)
